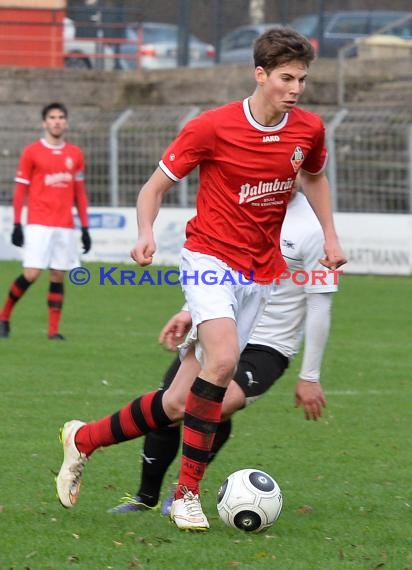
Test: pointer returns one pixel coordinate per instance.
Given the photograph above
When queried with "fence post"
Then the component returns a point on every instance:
(341, 78)
(99, 51)
(183, 185)
(330, 143)
(114, 156)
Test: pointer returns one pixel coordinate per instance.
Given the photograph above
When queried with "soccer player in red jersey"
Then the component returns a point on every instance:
(248, 154)
(50, 176)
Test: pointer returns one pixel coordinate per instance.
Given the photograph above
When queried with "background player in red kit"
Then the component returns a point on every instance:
(249, 154)
(50, 176)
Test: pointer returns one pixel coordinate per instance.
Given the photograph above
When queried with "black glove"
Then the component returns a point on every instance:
(17, 236)
(86, 240)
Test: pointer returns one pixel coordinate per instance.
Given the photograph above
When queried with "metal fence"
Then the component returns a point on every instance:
(370, 153)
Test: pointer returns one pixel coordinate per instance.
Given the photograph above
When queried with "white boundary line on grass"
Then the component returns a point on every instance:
(360, 392)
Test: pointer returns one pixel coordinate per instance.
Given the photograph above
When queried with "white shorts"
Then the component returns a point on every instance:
(48, 247)
(213, 290)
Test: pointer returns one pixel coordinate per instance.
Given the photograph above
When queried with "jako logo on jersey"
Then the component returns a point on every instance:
(297, 158)
(271, 138)
(57, 178)
(249, 193)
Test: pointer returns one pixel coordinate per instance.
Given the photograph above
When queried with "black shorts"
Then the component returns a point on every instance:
(259, 368)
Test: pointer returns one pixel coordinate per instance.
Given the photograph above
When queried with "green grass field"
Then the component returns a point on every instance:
(346, 479)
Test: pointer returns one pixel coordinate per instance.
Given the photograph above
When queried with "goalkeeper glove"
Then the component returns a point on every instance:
(17, 236)
(86, 240)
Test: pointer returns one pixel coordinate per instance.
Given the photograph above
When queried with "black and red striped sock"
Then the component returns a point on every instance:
(16, 292)
(134, 420)
(201, 420)
(55, 298)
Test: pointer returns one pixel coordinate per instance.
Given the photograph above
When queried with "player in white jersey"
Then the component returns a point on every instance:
(298, 307)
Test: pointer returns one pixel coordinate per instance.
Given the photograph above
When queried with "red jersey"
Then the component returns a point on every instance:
(54, 179)
(246, 173)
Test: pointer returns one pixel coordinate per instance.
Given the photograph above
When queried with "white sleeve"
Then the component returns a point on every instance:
(317, 325)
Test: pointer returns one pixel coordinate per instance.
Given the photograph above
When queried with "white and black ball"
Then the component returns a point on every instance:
(249, 500)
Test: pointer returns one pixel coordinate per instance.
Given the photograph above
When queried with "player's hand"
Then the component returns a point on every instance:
(86, 240)
(175, 330)
(143, 251)
(334, 255)
(17, 236)
(310, 396)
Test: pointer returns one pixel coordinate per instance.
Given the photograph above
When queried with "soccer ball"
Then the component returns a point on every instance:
(250, 500)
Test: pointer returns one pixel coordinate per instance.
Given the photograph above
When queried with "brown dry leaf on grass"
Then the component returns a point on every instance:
(305, 509)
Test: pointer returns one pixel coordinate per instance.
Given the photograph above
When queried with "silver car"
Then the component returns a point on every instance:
(150, 45)
(237, 45)
(345, 26)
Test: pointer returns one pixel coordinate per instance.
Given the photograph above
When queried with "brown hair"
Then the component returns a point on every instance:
(281, 45)
(52, 107)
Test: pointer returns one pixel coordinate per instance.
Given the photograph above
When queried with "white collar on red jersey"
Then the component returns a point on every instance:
(52, 146)
(258, 126)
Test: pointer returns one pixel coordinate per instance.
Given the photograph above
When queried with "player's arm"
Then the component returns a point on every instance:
(308, 391)
(81, 202)
(148, 204)
(317, 191)
(194, 144)
(21, 188)
(19, 198)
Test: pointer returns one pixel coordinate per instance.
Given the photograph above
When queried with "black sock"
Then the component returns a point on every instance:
(159, 451)
(161, 447)
(221, 437)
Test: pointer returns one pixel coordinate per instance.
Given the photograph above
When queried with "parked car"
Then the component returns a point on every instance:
(151, 45)
(82, 53)
(401, 29)
(236, 46)
(343, 27)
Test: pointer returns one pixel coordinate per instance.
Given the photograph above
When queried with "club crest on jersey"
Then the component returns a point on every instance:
(69, 163)
(297, 158)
